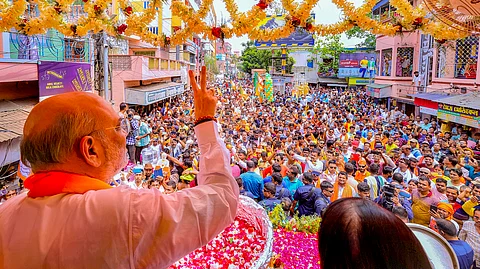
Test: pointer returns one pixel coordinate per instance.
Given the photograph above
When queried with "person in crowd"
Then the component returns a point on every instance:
(341, 189)
(348, 224)
(401, 213)
(291, 181)
(363, 190)
(305, 196)
(463, 250)
(75, 144)
(281, 192)
(323, 200)
(374, 181)
(440, 189)
(362, 172)
(242, 189)
(471, 235)
(252, 182)
(422, 200)
(270, 201)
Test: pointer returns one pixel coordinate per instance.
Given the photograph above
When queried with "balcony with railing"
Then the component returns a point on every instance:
(406, 91)
(134, 67)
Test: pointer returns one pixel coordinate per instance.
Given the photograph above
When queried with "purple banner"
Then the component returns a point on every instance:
(61, 77)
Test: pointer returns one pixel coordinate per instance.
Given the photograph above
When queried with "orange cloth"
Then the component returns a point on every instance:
(448, 208)
(360, 177)
(347, 191)
(56, 182)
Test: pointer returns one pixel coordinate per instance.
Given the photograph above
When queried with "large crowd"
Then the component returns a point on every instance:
(305, 155)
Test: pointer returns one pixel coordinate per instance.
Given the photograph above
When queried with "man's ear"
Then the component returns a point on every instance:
(90, 151)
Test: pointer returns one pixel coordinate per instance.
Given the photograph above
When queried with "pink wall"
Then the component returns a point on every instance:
(140, 71)
(393, 43)
(16, 71)
(402, 84)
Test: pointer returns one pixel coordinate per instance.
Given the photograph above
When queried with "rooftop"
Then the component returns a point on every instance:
(13, 114)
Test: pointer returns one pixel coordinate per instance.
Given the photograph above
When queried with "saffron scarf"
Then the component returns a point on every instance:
(347, 192)
(56, 182)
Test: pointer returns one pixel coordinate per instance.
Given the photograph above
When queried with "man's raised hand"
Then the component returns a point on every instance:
(204, 100)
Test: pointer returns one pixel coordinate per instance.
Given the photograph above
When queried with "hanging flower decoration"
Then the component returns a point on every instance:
(262, 4)
(52, 15)
(121, 29)
(128, 11)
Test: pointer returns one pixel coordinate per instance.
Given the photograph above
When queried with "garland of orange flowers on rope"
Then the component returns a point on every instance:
(52, 16)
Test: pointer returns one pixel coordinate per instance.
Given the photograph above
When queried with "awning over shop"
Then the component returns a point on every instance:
(379, 90)
(428, 100)
(463, 109)
(146, 95)
(337, 85)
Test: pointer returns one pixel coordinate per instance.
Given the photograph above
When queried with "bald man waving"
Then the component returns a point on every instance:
(72, 218)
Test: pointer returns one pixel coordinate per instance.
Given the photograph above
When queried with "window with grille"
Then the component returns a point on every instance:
(386, 64)
(75, 50)
(458, 59)
(153, 30)
(404, 62)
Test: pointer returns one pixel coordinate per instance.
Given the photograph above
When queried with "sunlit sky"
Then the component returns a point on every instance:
(325, 12)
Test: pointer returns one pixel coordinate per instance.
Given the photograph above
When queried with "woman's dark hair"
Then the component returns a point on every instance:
(357, 233)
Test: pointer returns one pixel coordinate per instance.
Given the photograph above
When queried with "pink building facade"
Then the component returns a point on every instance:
(445, 68)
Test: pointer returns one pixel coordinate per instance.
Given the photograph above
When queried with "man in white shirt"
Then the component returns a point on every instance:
(416, 79)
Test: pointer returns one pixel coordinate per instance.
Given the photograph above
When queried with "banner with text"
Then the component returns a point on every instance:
(61, 77)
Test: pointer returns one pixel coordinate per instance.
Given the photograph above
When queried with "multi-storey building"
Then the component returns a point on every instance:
(445, 68)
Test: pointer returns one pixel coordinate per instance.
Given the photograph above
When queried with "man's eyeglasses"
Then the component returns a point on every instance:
(330, 191)
(332, 167)
(122, 126)
(362, 166)
(424, 173)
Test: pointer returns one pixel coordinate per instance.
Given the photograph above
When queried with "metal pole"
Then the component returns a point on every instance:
(105, 68)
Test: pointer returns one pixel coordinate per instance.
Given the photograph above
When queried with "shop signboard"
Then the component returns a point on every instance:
(61, 77)
(358, 81)
(459, 114)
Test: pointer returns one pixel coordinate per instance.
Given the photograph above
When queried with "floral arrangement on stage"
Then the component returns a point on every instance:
(295, 242)
(98, 16)
(304, 224)
(246, 244)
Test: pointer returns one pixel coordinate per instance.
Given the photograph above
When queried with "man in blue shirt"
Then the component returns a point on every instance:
(253, 182)
(291, 182)
(270, 201)
(323, 200)
(306, 196)
(462, 249)
(280, 191)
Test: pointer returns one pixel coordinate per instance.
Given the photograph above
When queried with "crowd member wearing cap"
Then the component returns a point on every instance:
(443, 211)
(462, 249)
(362, 172)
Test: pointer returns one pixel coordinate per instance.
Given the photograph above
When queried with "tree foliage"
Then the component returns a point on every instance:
(328, 49)
(369, 39)
(253, 58)
(211, 64)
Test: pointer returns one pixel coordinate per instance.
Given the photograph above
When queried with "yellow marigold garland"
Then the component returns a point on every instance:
(52, 16)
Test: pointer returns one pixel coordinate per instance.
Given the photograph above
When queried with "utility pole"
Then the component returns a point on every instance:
(101, 66)
(106, 81)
